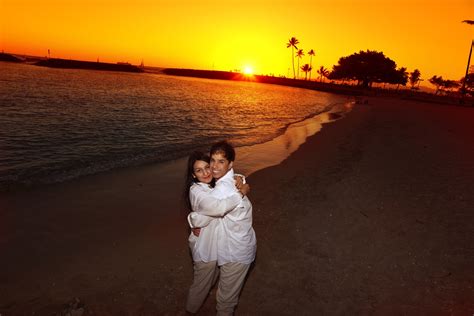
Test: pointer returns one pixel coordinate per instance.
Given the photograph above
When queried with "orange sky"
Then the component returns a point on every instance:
(233, 34)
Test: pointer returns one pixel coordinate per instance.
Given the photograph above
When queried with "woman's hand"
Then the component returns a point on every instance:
(244, 189)
(196, 231)
(239, 182)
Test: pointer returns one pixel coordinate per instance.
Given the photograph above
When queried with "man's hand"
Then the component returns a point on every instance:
(196, 231)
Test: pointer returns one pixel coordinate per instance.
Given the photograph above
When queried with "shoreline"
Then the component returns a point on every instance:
(370, 215)
(281, 147)
(253, 158)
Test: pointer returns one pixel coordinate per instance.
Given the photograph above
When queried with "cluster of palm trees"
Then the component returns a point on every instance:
(306, 68)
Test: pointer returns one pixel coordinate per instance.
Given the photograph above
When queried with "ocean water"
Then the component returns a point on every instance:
(60, 124)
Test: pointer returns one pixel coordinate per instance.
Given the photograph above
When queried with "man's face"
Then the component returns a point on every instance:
(219, 165)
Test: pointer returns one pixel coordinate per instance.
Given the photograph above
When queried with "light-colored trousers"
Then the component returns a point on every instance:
(231, 281)
(205, 275)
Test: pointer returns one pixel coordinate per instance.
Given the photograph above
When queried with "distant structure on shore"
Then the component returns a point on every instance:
(9, 58)
(70, 64)
(77, 64)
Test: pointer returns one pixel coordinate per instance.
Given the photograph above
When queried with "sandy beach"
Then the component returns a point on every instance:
(373, 215)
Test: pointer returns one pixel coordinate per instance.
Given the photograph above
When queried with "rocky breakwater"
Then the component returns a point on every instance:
(78, 64)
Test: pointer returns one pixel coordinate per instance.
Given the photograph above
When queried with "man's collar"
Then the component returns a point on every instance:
(228, 175)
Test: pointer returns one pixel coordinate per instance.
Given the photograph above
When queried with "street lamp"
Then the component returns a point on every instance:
(463, 88)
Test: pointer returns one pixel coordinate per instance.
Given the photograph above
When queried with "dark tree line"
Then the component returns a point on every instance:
(442, 84)
(367, 67)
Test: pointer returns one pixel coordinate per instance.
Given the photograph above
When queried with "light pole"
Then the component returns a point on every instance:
(463, 91)
(463, 88)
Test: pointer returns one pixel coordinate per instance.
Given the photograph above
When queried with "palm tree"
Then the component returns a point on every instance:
(323, 72)
(414, 78)
(402, 77)
(437, 82)
(311, 54)
(292, 42)
(300, 55)
(306, 68)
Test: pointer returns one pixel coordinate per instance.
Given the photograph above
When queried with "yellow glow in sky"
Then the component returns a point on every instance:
(233, 34)
(248, 70)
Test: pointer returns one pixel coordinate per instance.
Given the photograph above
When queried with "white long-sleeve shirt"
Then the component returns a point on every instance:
(204, 247)
(236, 240)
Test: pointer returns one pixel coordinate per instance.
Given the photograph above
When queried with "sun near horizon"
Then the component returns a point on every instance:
(427, 35)
(248, 71)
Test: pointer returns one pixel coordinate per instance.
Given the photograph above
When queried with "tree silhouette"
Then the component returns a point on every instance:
(437, 82)
(368, 67)
(469, 84)
(311, 54)
(414, 78)
(400, 77)
(292, 42)
(299, 55)
(306, 68)
(450, 84)
(323, 72)
(442, 84)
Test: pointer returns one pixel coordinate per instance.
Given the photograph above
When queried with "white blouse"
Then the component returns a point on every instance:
(204, 247)
(234, 235)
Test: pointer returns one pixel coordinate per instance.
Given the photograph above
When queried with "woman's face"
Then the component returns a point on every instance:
(202, 171)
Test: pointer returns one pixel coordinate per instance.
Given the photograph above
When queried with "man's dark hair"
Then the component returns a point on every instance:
(225, 148)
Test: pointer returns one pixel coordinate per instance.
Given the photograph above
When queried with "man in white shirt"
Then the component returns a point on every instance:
(236, 242)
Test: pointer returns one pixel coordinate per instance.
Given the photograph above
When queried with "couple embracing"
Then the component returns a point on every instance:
(223, 242)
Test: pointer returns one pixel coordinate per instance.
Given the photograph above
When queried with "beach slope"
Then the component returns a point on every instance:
(374, 215)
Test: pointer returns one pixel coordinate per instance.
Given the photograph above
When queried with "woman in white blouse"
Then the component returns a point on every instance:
(199, 184)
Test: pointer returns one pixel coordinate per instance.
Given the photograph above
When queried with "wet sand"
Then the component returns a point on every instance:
(372, 215)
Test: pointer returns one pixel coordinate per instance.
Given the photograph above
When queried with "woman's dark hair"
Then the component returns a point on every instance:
(189, 178)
